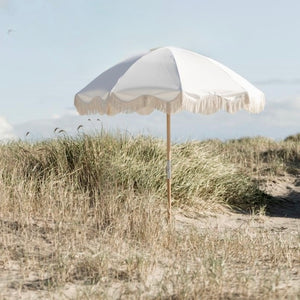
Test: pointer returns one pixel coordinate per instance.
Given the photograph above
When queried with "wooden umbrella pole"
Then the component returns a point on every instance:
(168, 168)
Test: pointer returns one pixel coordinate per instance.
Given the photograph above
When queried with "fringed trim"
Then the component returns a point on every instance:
(146, 104)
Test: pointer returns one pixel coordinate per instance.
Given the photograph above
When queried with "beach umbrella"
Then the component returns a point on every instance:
(168, 79)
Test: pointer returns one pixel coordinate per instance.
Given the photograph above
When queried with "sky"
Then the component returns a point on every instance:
(51, 49)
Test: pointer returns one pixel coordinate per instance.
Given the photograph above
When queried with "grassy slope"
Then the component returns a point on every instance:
(92, 210)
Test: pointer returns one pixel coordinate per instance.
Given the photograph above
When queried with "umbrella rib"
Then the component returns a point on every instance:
(178, 74)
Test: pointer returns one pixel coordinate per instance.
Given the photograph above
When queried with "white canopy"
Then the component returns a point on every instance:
(169, 79)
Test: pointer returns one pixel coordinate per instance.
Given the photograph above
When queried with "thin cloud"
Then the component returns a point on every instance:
(278, 120)
(278, 81)
(70, 111)
(6, 130)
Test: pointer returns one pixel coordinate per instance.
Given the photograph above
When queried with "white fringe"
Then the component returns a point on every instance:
(146, 104)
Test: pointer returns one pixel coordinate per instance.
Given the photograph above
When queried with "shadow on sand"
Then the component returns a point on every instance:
(287, 205)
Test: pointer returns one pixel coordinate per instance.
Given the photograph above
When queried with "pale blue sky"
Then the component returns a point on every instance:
(50, 49)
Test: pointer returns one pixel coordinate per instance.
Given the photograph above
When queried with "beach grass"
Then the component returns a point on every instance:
(90, 212)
